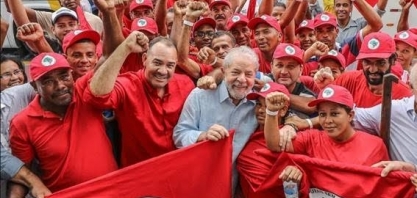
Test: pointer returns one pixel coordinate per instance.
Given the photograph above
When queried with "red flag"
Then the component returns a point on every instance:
(202, 170)
(325, 178)
(84, 25)
(251, 9)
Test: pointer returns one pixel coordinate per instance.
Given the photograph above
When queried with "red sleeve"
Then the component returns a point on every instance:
(308, 81)
(301, 142)
(116, 96)
(133, 63)
(351, 50)
(205, 69)
(20, 143)
(349, 80)
(309, 67)
(379, 153)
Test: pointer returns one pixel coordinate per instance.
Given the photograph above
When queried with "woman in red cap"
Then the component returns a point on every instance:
(338, 141)
(406, 47)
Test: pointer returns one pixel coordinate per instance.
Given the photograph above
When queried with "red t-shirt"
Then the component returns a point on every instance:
(355, 82)
(146, 121)
(133, 63)
(70, 150)
(308, 81)
(361, 149)
(254, 169)
(264, 65)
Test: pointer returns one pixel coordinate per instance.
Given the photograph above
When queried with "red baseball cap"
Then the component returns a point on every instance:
(325, 19)
(140, 3)
(305, 24)
(145, 24)
(268, 88)
(376, 45)
(76, 35)
(336, 94)
(413, 30)
(269, 20)
(235, 20)
(216, 2)
(289, 50)
(335, 55)
(46, 62)
(204, 21)
(407, 37)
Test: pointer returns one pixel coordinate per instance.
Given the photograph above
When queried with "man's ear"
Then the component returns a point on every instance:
(144, 58)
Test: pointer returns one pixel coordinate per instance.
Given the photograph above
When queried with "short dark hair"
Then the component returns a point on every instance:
(163, 40)
(221, 33)
(18, 63)
(280, 4)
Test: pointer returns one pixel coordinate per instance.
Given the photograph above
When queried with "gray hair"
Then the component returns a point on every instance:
(242, 52)
(413, 76)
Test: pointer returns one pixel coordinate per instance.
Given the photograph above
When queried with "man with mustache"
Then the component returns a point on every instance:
(147, 102)
(197, 121)
(349, 27)
(221, 12)
(52, 128)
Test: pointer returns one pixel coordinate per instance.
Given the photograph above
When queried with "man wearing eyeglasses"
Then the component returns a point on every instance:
(202, 34)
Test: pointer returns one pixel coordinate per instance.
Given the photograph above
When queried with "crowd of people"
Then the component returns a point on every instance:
(143, 78)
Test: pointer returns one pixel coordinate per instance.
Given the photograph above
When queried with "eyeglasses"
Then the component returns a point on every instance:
(8, 75)
(201, 34)
(378, 63)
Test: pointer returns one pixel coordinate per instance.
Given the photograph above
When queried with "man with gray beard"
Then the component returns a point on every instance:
(209, 114)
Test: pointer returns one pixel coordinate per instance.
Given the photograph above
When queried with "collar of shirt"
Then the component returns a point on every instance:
(352, 23)
(224, 94)
(35, 109)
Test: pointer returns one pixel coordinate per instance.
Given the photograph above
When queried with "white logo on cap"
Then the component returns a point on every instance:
(263, 17)
(235, 18)
(327, 93)
(373, 44)
(266, 87)
(304, 23)
(404, 35)
(325, 17)
(142, 22)
(48, 61)
(76, 32)
(332, 52)
(289, 50)
(139, 1)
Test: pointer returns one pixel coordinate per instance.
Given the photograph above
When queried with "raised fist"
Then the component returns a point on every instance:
(206, 55)
(195, 9)
(30, 32)
(137, 42)
(323, 77)
(275, 101)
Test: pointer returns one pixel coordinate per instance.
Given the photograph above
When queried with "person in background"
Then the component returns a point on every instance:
(12, 72)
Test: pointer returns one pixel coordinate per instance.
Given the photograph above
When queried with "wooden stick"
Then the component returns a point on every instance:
(386, 108)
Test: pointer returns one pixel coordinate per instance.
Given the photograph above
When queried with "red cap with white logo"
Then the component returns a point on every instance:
(217, 2)
(305, 24)
(325, 19)
(407, 37)
(145, 24)
(235, 20)
(140, 3)
(269, 20)
(376, 45)
(289, 50)
(76, 35)
(336, 94)
(268, 88)
(46, 62)
(334, 55)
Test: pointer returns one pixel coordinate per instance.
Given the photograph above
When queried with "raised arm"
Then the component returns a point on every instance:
(403, 20)
(194, 11)
(288, 15)
(112, 35)
(161, 16)
(370, 15)
(180, 7)
(104, 79)
(32, 34)
(21, 14)
(4, 26)
(266, 7)
(275, 103)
